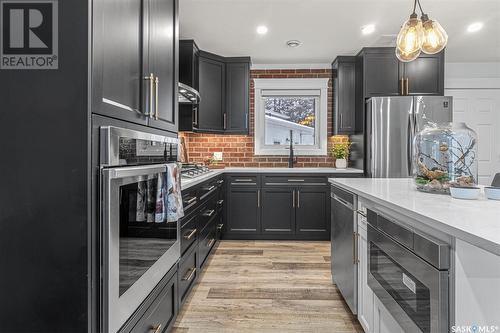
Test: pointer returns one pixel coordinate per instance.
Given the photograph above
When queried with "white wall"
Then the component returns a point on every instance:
(475, 88)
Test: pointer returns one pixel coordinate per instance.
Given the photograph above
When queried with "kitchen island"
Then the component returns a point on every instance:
(470, 228)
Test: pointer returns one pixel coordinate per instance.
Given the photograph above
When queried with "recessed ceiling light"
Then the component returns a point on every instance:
(475, 27)
(293, 43)
(368, 29)
(262, 30)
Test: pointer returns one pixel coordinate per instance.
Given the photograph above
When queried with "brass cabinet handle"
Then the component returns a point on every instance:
(151, 79)
(156, 329)
(407, 89)
(157, 83)
(191, 234)
(189, 276)
(402, 86)
(209, 213)
(293, 199)
(211, 242)
(298, 198)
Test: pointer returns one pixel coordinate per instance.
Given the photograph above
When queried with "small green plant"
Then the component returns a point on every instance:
(341, 150)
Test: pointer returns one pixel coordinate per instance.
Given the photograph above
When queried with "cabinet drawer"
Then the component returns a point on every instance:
(207, 213)
(206, 245)
(189, 200)
(187, 273)
(161, 313)
(208, 189)
(244, 180)
(295, 180)
(189, 232)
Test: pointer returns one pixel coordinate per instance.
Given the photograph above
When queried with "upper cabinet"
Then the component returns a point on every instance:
(224, 87)
(211, 110)
(344, 97)
(134, 76)
(382, 74)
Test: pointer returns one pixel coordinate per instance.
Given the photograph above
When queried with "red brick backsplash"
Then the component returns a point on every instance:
(238, 150)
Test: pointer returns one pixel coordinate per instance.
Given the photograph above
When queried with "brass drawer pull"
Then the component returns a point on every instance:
(156, 329)
(191, 234)
(209, 213)
(190, 201)
(151, 79)
(211, 242)
(189, 275)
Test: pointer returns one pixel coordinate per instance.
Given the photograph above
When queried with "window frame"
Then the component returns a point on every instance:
(290, 87)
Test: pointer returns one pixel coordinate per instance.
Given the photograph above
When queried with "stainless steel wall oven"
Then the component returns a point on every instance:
(138, 246)
(408, 272)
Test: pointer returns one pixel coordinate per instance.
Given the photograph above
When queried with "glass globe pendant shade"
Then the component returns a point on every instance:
(410, 37)
(407, 57)
(435, 37)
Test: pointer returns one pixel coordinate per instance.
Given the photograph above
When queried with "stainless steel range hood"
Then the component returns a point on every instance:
(188, 95)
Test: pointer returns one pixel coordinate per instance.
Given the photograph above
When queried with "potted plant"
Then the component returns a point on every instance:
(340, 152)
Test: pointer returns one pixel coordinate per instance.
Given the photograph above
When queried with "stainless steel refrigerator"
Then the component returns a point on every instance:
(391, 125)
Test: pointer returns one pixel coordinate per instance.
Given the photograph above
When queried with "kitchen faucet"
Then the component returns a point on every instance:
(291, 158)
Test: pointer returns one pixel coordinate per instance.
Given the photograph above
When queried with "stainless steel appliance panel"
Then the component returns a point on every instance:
(435, 109)
(389, 136)
(344, 247)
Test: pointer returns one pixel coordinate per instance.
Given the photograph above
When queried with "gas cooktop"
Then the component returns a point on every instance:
(190, 171)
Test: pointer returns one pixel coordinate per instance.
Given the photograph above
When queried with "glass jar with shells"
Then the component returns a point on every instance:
(445, 155)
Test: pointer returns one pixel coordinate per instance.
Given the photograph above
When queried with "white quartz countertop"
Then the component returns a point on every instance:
(186, 183)
(474, 221)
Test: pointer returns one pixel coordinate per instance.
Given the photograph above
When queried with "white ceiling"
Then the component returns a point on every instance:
(329, 28)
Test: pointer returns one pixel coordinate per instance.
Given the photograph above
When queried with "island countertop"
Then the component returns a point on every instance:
(474, 221)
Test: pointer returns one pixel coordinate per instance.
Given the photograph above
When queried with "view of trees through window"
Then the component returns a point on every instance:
(285, 113)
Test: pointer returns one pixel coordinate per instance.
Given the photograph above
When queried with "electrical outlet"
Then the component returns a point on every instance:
(218, 156)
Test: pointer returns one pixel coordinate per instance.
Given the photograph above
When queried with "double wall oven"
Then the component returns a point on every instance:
(138, 246)
(408, 271)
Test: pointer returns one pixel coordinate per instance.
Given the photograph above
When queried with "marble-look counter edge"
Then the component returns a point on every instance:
(185, 183)
(481, 242)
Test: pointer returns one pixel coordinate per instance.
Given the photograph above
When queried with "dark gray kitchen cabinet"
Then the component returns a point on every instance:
(344, 95)
(212, 93)
(424, 75)
(243, 209)
(163, 62)
(278, 210)
(312, 210)
(130, 44)
(381, 76)
(237, 95)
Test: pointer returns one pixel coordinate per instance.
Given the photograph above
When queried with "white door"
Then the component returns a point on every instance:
(480, 110)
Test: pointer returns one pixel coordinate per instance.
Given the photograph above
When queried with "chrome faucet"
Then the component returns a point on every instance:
(291, 158)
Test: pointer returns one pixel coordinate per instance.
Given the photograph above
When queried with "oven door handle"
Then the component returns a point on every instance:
(134, 171)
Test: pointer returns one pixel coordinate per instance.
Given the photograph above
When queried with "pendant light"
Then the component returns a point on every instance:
(435, 37)
(418, 35)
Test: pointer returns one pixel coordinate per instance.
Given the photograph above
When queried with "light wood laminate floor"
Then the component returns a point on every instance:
(266, 286)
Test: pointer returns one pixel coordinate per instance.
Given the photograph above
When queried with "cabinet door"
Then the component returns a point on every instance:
(237, 97)
(425, 75)
(212, 85)
(312, 211)
(345, 101)
(381, 74)
(365, 294)
(163, 62)
(243, 210)
(119, 60)
(278, 212)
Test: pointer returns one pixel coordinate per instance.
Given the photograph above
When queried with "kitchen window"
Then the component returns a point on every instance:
(291, 108)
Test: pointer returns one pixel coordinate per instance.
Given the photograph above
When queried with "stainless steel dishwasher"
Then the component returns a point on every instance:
(344, 257)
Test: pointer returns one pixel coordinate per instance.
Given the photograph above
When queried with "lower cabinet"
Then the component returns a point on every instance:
(383, 321)
(188, 272)
(278, 213)
(313, 211)
(243, 209)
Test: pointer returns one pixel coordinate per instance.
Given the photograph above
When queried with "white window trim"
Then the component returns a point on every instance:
(291, 84)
